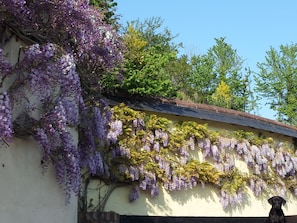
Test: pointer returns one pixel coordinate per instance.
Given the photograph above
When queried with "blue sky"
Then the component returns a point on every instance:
(250, 26)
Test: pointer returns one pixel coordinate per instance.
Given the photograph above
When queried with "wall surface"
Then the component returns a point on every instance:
(199, 201)
(196, 202)
(27, 194)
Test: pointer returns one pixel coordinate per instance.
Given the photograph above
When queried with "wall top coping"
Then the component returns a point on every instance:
(202, 111)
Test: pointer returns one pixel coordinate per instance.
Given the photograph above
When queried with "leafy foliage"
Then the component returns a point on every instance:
(148, 56)
(220, 64)
(276, 82)
(222, 97)
(199, 83)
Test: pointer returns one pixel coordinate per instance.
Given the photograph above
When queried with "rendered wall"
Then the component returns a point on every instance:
(193, 202)
(26, 193)
(196, 202)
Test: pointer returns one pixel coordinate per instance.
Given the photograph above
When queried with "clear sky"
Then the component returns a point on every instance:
(250, 26)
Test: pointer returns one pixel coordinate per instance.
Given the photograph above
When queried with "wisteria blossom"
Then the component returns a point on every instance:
(66, 49)
(6, 130)
(114, 131)
(169, 163)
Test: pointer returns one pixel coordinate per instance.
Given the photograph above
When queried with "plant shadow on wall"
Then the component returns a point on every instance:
(157, 204)
(207, 194)
(149, 152)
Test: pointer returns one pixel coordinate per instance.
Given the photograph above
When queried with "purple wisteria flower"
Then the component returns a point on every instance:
(242, 147)
(215, 153)
(268, 151)
(71, 111)
(41, 137)
(134, 194)
(99, 124)
(205, 145)
(224, 143)
(134, 173)
(148, 181)
(6, 130)
(155, 190)
(121, 151)
(184, 155)
(228, 199)
(258, 186)
(116, 129)
(69, 48)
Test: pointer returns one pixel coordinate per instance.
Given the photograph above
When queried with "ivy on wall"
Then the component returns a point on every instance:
(148, 151)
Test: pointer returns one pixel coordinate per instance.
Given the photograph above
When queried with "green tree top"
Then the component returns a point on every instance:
(222, 96)
(148, 57)
(220, 64)
(276, 81)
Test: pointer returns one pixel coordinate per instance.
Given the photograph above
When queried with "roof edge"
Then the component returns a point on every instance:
(202, 111)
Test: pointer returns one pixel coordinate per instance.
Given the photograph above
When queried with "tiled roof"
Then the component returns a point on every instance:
(202, 111)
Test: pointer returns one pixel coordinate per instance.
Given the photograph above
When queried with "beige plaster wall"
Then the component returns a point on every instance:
(26, 193)
(196, 202)
(193, 202)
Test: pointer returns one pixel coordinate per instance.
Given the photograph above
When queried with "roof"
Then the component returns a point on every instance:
(202, 111)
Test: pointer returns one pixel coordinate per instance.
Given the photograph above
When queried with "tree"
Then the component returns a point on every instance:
(276, 82)
(179, 69)
(152, 31)
(66, 48)
(228, 66)
(222, 96)
(200, 82)
(147, 59)
(108, 8)
(220, 64)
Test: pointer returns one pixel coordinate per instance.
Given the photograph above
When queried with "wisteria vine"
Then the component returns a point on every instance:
(148, 152)
(51, 85)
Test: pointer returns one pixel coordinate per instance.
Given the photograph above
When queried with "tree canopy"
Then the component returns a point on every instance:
(276, 81)
(148, 56)
(221, 64)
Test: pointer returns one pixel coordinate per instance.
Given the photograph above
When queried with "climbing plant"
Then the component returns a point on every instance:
(149, 152)
(52, 85)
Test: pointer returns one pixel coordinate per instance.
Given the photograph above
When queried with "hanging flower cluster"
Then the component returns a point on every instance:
(152, 151)
(5, 117)
(66, 48)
